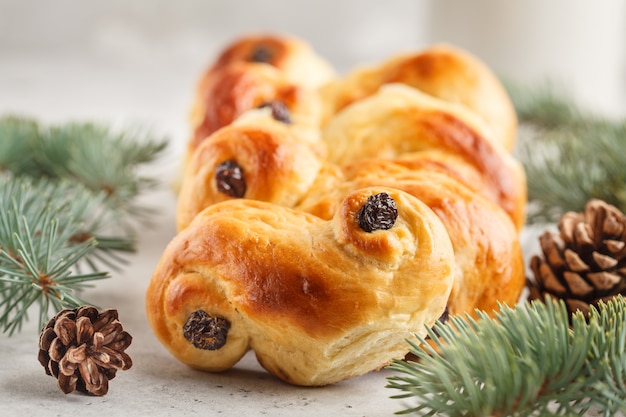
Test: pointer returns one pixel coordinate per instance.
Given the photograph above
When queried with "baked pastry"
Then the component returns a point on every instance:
(288, 241)
(278, 166)
(399, 122)
(257, 157)
(234, 89)
(488, 257)
(442, 71)
(319, 301)
(254, 70)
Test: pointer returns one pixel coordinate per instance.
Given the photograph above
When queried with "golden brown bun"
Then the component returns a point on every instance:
(271, 255)
(488, 256)
(279, 168)
(234, 89)
(253, 70)
(400, 122)
(292, 56)
(279, 163)
(443, 71)
(319, 301)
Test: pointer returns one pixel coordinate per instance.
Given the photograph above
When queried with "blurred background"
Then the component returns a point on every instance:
(139, 60)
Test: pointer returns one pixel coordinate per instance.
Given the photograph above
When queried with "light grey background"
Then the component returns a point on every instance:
(130, 61)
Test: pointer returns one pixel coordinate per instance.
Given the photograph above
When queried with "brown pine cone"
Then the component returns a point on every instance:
(84, 349)
(586, 261)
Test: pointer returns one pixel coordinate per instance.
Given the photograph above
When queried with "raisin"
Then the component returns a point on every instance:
(230, 180)
(280, 112)
(205, 331)
(378, 213)
(261, 54)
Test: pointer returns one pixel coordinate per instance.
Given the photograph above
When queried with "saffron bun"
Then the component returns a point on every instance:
(287, 168)
(488, 257)
(442, 71)
(279, 166)
(234, 89)
(278, 163)
(253, 70)
(399, 121)
(319, 301)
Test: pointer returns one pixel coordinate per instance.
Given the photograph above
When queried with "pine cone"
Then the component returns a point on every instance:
(586, 262)
(84, 349)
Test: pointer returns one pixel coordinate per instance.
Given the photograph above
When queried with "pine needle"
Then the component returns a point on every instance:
(570, 154)
(525, 361)
(94, 155)
(38, 253)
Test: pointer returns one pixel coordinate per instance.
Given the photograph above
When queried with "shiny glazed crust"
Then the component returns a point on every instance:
(283, 268)
(279, 168)
(488, 256)
(401, 122)
(279, 163)
(256, 69)
(318, 300)
(442, 71)
(234, 89)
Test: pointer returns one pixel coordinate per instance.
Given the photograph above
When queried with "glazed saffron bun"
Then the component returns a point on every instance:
(319, 301)
(258, 158)
(488, 257)
(400, 122)
(279, 167)
(324, 221)
(254, 70)
(442, 71)
(232, 90)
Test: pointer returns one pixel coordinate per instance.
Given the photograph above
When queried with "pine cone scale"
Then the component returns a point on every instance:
(604, 280)
(67, 383)
(583, 235)
(112, 359)
(67, 367)
(84, 330)
(91, 376)
(57, 349)
(574, 261)
(46, 338)
(110, 332)
(121, 342)
(614, 246)
(65, 329)
(577, 284)
(106, 318)
(546, 277)
(604, 261)
(552, 251)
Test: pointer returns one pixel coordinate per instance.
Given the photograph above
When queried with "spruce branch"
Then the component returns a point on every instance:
(570, 154)
(39, 251)
(68, 199)
(525, 361)
(92, 154)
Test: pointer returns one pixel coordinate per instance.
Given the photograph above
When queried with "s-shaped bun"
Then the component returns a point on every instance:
(319, 301)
